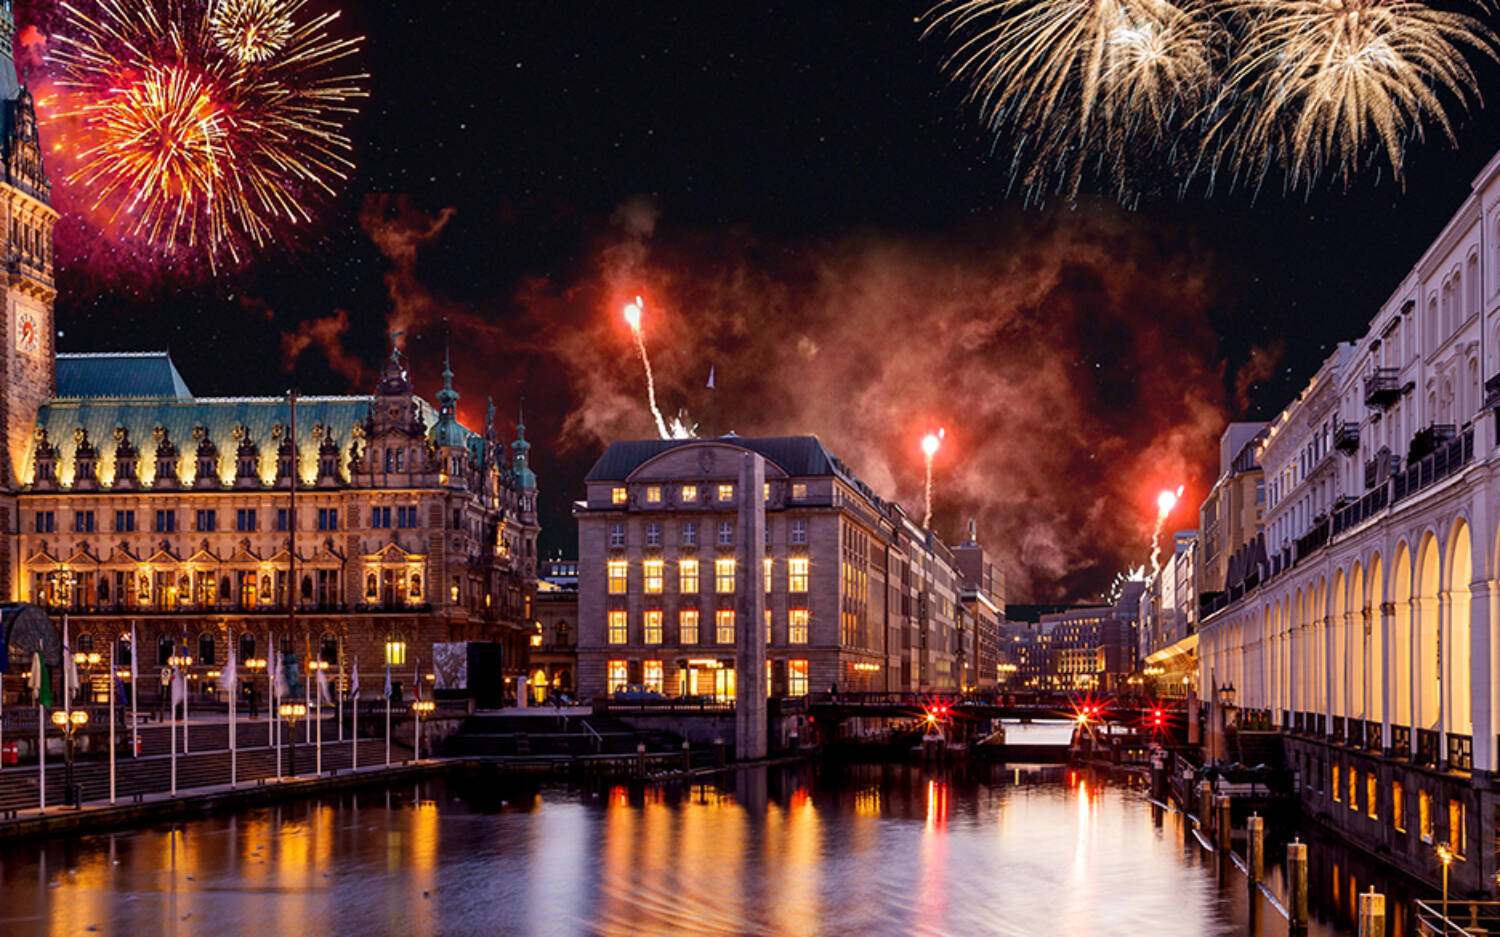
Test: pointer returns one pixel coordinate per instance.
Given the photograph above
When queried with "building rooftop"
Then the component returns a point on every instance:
(119, 375)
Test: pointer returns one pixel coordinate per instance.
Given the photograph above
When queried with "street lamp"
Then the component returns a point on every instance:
(291, 712)
(70, 722)
(1445, 855)
(256, 666)
(421, 707)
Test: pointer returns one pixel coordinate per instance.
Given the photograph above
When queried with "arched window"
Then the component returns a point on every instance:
(85, 643)
(1473, 297)
(164, 650)
(328, 648)
(247, 646)
(1448, 317)
(122, 651)
(1433, 327)
(206, 649)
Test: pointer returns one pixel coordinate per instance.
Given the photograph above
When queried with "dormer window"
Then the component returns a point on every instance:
(83, 470)
(46, 470)
(124, 470)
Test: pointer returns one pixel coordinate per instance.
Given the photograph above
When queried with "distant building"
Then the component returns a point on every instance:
(982, 585)
(860, 596)
(554, 640)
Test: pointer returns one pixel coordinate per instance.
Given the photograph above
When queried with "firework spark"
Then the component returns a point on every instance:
(930, 445)
(204, 127)
(633, 313)
(1328, 81)
(1165, 503)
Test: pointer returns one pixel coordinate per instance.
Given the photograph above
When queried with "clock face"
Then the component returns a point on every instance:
(28, 330)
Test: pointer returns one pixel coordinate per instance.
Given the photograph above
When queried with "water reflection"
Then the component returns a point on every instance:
(868, 850)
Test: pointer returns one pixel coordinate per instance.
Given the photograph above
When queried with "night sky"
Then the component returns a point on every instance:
(785, 140)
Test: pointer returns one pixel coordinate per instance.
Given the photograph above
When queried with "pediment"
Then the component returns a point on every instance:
(699, 461)
(392, 553)
(42, 557)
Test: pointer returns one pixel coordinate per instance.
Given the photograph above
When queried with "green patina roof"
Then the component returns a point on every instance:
(119, 374)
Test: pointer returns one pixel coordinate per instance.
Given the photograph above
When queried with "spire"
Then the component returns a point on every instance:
(521, 463)
(447, 397)
(447, 432)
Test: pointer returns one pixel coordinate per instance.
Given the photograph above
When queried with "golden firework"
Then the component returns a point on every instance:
(252, 30)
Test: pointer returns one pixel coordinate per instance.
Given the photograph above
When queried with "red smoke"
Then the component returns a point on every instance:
(327, 334)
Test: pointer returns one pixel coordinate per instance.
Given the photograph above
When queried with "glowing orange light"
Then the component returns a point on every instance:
(1167, 500)
(633, 313)
(931, 442)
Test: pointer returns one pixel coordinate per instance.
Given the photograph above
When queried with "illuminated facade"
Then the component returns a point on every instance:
(1366, 631)
(860, 597)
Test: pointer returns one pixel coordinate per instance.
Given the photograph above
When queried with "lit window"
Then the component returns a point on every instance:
(395, 652)
(690, 534)
(617, 496)
(726, 492)
(651, 675)
(1353, 789)
(687, 626)
(689, 493)
(1338, 788)
(619, 628)
(653, 572)
(1457, 832)
(796, 677)
(797, 573)
(799, 491)
(653, 535)
(765, 492)
(1372, 795)
(799, 531)
(1398, 806)
(653, 494)
(687, 576)
(724, 575)
(617, 535)
(1424, 816)
(651, 627)
(619, 675)
(797, 620)
(767, 564)
(768, 626)
(724, 626)
(617, 571)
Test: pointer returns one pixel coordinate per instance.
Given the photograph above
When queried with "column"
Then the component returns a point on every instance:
(1482, 673)
(749, 613)
(1387, 668)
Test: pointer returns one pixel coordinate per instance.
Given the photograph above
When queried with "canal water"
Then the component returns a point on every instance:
(865, 850)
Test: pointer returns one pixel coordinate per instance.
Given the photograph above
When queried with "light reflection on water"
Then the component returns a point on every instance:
(870, 850)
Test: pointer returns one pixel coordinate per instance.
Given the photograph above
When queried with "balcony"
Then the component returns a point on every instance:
(1356, 513)
(1382, 387)
(1372, 736)
(1346, 438)
(1460, 752)
(1400, 741)
(1492, 393)
(1427, 748)
(1315, 539)
(1449, 458)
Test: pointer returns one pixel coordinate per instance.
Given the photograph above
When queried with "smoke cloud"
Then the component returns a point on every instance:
(327, 335)
(400, 231)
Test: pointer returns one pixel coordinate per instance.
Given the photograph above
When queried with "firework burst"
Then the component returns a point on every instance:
(199, 127)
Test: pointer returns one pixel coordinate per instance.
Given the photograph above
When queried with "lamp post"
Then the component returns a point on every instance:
(88, 662)
(256, 665)
(422, 708)
(1445, 855)
(291, 712)
(70, 722)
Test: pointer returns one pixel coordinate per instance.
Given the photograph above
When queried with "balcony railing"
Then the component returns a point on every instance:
(1449, 458)
(1427, 748)
(1382, 387)
(1346, 438)
(1354, 514)
(1460, 752)
(1400, 741)
(1372, 736)
(1338, 728)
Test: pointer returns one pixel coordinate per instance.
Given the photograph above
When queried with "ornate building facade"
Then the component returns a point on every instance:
(354, 528)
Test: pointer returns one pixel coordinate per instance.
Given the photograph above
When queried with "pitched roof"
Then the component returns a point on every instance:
(119, 374)
(796, 455)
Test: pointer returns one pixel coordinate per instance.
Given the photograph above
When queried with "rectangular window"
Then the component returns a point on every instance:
(617, 496)
(690, 534)
(765, 491)
(797, 568)
(651, 626)
(689, 494)
(46, 521)
(207, 519)
(726, 492)
(1353, 789)
(687, 626)
(653, 572)
(766, 563)
(281, 516)
(619, 627)
(395, 652)
(799, 531)
(380, 518)
(724, 575)
(1338, 786)
(726, 533)
(617, 535)
(799, 491)
(1372, 796)
(244, 520)
(328, 518)
(1457, 832)
(1398, 806)
(617, 571)
(83, 521)
(125, 521)
(796, 678)
(724, 626)
(652, 675)
(166, 521)
(653, 535)
(406, 516)
(1424, 817)
(796, 626)
(687, 576)
(653, 494)
(617, 675)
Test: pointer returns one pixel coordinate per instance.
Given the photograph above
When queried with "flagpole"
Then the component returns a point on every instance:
(388, 712)
(185, 748)
(41, 748)
(339, 696)
(275, 715)
(135, 749)
(318, 714)
(112, 679)
(354, 760)
(172, 705)
(234, 766)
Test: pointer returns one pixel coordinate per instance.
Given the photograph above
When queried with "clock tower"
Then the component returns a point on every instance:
(28, 368)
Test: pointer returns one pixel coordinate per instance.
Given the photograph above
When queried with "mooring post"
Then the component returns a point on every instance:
(1296, 875)
(1255, 847)
(1371, 914)
(1205, 796)
(687, 755)
(640, 759)
(1222, 828)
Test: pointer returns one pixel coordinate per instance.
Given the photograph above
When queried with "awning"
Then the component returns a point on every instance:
(1182, 655)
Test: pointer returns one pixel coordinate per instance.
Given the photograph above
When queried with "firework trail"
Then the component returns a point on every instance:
(633, 319)
(930, 444)
(1165, 502)
(203, 127)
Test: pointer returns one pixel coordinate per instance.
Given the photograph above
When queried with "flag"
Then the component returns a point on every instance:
(710, 376)
(230, 674)
(134, 654)
(416, 682)
(387, 692)
(41, 686)
(354, 681)
(278, 686)
(179, 687)
(323, 693)
(70, 667)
